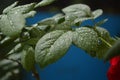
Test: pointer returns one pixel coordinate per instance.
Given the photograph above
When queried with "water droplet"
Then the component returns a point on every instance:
(99, 42)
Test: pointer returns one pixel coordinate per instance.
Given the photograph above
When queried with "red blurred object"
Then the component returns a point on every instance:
(114, 70)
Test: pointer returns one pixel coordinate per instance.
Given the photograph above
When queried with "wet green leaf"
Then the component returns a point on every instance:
(7, 68)
(35, 32)
(27, 58)
(47, 21)
(88, 39)
(52, 47)
(44, 3)
(12, 24)
(77, 9)
(18, 48)
(6, 45)
(101, 22)
(59, 18)
(23, 8)
(32, 41)
(44, 27)
(30, 14)
(97, 13)
(6, 10)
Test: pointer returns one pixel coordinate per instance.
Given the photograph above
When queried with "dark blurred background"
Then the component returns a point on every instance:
(109, 6)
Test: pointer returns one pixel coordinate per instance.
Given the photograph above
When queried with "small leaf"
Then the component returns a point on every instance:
(8, 66)
(59, 18)
(44, 3)
(80, 9)
(66, 25)
(102, 49)
(47, 21)
(97, 13)
(31, 42)
(6, 10)
(113, 51)
(30, 14)
(44, 27)
(6, 45)
(52, 47)
(101, 22)
(12, 24)
(116, 37)
(35, 32)
(27, 58)
(57, 22)
(23, 9)
(18, 48)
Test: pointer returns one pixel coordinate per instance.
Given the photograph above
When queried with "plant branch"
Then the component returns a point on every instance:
(35, 74)
(108, 44)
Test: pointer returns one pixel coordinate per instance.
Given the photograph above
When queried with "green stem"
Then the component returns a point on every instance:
(108, 44)
(35, 74)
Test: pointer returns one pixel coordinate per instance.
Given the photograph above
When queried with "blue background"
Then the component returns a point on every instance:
(76, 64)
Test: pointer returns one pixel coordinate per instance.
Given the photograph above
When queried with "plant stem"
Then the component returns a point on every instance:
(35, 74)
(108, 44)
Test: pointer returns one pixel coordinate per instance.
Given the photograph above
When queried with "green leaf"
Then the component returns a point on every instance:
(6, 45)
(105, 41)
(88, 39)
(94, 15)
(16, 49)
(59, 18)
(101, 22)
(6, 10)
(102, 49)
(31, 41)
(56, 22)
(97, 13)
(52, 47)
(113, 51)
(6, 69)
(44, 3)
(27, 58)
(30, 14)
(23, 8)
(12, 24)
(43, 27)
(47, 21)
(35, 32)
(66, 25)
(77, 9)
